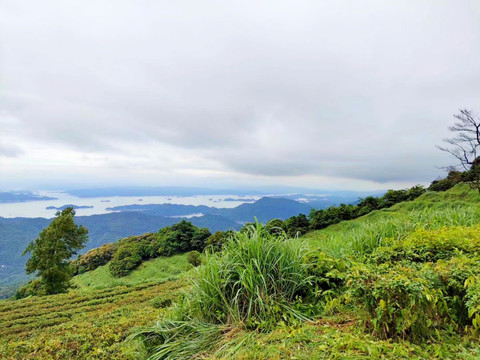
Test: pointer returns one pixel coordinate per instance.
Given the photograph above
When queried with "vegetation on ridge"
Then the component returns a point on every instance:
(415, 283)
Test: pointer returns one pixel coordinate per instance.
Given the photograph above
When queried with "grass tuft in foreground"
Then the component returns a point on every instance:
(258, 281)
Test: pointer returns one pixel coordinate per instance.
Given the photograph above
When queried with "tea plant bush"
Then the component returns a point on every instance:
(79, 325)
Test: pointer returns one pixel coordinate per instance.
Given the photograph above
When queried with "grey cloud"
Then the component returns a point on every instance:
(10, 150)
(345, 89)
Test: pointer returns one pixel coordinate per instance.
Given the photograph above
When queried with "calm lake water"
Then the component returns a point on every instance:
(100, 204)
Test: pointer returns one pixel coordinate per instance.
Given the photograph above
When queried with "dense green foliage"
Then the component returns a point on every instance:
(94, 258)
(50, 254)
(415, 286)
(128, 253)
(215, 241)
(320, 219)
(471, 177)
(194, 258)
(181, 237)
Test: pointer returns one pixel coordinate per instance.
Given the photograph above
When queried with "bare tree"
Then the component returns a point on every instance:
(464, 146)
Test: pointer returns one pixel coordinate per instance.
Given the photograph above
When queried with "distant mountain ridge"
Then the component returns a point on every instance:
(282, 191)
(263, 209)
(16, 233)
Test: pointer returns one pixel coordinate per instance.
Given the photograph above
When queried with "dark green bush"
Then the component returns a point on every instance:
(215, 242)
(453, 178)
(146, 244)
(194, 258)
(32, 288)
(296, 225)
(181, 237)
(127, 258)
(275, 226)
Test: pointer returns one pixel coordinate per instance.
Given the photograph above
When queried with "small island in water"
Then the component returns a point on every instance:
(75, 207)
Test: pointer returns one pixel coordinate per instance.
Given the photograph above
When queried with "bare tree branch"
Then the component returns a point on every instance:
(465, 145)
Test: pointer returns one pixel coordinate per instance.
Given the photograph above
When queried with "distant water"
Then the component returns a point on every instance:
(100, 204)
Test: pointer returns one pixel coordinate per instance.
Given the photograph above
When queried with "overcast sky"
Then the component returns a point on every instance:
(323, 94)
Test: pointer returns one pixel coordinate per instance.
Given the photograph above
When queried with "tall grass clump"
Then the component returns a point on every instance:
(254, 281)
(257, 281)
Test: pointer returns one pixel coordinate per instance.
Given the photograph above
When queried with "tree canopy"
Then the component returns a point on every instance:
(52, 250)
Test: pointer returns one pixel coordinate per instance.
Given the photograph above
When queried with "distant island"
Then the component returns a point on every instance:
(21, 196)
(69, 205)
(239, 199)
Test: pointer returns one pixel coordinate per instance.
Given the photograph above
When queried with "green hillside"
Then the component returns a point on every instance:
(159, 269)
(397, 283)
(340, 333)
(457, 206)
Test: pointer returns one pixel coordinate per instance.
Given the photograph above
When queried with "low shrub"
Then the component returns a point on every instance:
(328, 273)
(32, 288)
(472, 301)
(430, 245)
(398, 301)
(458, 276)
(194, 258)
(95, 258)
(126, 259)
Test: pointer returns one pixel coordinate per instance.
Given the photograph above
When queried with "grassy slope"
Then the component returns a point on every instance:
(79, 325)
(94, 320)
(341, 336)
(456, 206)
(159, 269)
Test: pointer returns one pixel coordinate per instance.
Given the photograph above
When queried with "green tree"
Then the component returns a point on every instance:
(52, 250)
